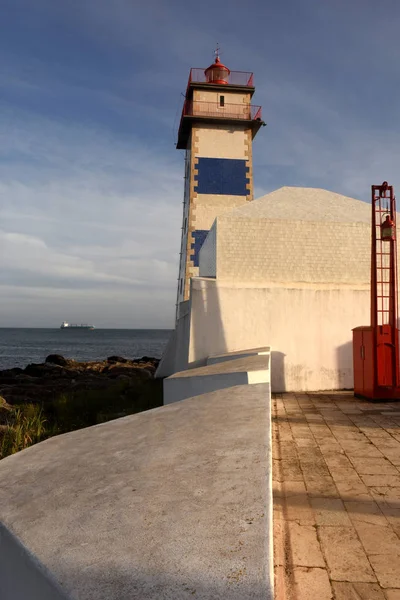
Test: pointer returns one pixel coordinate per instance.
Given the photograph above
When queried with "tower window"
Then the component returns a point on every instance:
(222, 100)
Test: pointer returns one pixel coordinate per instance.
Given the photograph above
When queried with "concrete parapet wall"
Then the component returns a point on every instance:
(22, 576)
(241, 370)
(217, 358)
(175, 502)
(178, 389)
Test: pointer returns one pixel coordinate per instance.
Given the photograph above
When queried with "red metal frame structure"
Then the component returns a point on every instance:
(376, 347)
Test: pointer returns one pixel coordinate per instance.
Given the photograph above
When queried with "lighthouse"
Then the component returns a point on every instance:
(217, 128)
(290, 272)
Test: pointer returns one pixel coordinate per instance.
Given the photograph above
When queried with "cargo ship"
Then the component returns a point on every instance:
(65, 325)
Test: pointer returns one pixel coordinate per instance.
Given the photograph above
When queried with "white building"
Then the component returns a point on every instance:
(290, 270)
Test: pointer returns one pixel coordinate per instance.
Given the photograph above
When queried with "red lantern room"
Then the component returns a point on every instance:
(217, 73)
(387, 229)
(218, 95)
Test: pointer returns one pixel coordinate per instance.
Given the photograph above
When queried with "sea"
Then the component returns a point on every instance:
(19, 347)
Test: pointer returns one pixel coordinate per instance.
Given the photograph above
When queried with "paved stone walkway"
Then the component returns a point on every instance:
(336, 479)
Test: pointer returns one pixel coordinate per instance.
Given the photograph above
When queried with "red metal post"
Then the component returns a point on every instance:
(376, 348)
(384, 288)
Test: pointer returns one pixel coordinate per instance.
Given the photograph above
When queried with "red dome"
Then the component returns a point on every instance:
(217, 73)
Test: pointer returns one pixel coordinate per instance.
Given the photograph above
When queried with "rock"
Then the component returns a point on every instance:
(146, 374)
(37, 370)
(114, 372)
(123, 378)
(10, 373)
(8, 380)
(131, 372)
(41, 383)
(24, 377)
(117, 359)
(57, 359)
(147, 359)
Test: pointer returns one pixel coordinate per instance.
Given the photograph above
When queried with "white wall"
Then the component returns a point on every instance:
(231, 97)
(210, 206)
(208, 254)
(175, 356)
(263, 250)
(185, 220)
(308, 329)
(177, 389)
(22, 576)
(221, 141)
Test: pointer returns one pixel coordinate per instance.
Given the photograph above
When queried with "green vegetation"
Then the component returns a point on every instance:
(24, 427)
(26, 424)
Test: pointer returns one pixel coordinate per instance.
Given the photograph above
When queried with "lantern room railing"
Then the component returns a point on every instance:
(198, 108)
(241, 78)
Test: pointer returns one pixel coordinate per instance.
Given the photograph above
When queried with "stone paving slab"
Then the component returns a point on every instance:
(336, 481)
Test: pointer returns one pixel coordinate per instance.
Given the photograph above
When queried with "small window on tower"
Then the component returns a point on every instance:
(222, 100)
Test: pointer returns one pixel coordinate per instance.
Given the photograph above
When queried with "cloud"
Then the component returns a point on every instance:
(21, 253)
(90, 184)
(82, 209)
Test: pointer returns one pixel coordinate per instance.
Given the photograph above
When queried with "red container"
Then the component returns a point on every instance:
(363, 361)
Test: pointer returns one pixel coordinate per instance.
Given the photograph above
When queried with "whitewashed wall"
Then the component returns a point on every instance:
(208, 254)
(22, 576)
(308, 329)
(221, 140)
(263, 250)
(175, 356)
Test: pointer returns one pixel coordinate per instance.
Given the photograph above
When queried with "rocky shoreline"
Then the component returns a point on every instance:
(62, 395)
(41, 382)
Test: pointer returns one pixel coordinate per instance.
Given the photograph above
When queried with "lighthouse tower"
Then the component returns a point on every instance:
(217, 127)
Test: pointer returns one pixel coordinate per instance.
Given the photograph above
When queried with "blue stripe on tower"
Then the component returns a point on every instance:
(199, 237)
(222, 176)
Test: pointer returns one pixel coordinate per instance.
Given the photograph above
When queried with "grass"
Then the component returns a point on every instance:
(24, 427)
(27, 424)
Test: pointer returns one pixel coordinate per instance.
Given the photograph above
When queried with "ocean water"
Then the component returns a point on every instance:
(19, 347)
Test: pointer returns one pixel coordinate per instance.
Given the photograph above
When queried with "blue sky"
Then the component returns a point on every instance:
(91, 185)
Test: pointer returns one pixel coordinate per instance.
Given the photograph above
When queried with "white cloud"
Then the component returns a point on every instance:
(90, 212)
(80, 208)
(26, 253)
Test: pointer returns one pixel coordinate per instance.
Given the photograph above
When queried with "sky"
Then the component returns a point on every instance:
(91, 184)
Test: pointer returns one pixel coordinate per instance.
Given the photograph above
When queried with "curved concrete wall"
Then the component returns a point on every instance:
(219, 375)
(22, 576)
(173, 502)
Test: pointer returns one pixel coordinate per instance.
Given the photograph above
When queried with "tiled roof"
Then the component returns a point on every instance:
(304, 204)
